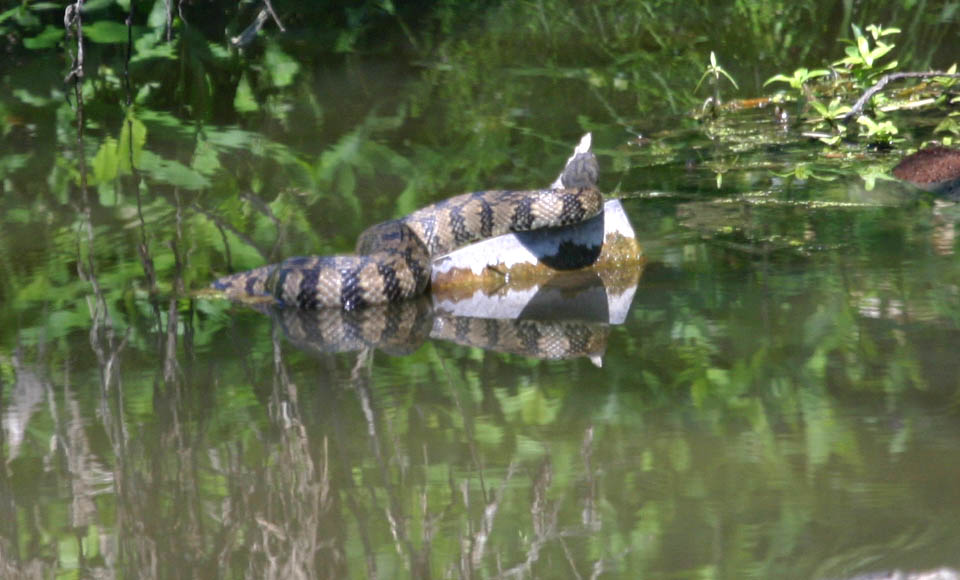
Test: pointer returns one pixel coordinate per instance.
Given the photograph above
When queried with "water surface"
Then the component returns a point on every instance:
(781, 401)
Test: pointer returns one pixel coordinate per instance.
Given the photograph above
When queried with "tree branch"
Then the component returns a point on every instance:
(884, 80)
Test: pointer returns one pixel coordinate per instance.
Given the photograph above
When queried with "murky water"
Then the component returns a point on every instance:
(779, 402)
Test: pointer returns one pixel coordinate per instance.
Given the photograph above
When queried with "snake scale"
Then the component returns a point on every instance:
(393, 259)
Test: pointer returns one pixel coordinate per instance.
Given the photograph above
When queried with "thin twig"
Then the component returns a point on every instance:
(273, 15)
(73, 22)
(126, 60)
(250, 32)
(169, 19)
(884, 80)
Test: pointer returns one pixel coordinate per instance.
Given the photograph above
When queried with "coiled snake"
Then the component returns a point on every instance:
(392, 261)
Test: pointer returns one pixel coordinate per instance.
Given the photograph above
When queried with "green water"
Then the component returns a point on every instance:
(781, 401)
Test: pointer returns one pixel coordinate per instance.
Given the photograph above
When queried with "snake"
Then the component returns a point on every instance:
(392, 259)
(400, 329)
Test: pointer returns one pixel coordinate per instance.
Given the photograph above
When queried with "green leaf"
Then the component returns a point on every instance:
(135, 128)
(31, 99)
(94, 5)
(948, 125)
(158, 15)
(171, 172)
(106, 32)
(105, 162)
(8, 14)
(346, 40)
(107, 192)
(881, 50)
(244, 101)
(863, 47)
(876, 32)
(48, 38)
(778, 79)
(346, 181)
(11, 163)
(857, 33)
(282, 67)
(144, 92)
(867, 122)
(151, 45)
(205, 158)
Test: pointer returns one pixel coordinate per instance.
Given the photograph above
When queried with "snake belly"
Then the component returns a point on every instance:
(393, 259)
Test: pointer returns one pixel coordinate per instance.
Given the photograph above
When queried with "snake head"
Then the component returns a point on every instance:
(581, 170)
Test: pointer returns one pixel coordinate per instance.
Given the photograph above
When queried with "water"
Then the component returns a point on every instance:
(781, 401)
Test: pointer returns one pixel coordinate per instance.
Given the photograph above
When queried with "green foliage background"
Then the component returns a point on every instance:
(781, 402)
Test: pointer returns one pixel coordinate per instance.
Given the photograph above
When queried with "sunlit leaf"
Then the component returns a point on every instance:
(171, 172)
(881, 50)
(151, 45)
(282, 67)
(144, 92)
(244, 101)
(31, 99)
(106, 32)
(778, 79)
(863, 48)
(48, 38)
(205, 159)
(7, 14)
(158, 15)
(948, 125)
(105, 163)
(107, 193)
(95, 5)
(133, 136)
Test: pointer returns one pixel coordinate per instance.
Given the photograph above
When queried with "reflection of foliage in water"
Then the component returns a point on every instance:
(721, 422)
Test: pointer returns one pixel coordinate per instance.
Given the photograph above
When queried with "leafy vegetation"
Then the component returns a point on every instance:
(861, 72)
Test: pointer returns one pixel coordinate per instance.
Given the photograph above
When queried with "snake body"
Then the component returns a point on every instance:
(393, 259)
